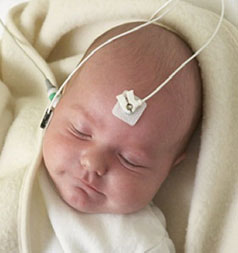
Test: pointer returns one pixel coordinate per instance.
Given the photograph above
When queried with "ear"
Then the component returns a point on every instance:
(179, 159)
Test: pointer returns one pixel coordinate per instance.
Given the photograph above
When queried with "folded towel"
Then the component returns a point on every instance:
(56, 33)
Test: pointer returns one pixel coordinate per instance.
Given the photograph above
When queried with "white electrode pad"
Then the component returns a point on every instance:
(129, 107)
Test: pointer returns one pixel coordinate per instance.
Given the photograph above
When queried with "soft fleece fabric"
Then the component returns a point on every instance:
(143, 231)
(56, 33)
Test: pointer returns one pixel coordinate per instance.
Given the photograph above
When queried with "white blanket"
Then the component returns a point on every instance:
(56, 33)
(143, 231)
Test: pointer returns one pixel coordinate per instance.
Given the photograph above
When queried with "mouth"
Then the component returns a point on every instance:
(89, 186)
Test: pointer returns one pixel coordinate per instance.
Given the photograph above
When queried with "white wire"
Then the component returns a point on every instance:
(104, 44)
(157, 11)
(52, 104)
(193, 56)
(21, 48)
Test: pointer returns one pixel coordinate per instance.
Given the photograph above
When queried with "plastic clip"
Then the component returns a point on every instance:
(129, 107)
(128, 101)
(46, 118)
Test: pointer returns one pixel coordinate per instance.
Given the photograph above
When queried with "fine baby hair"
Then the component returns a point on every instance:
(129, 107)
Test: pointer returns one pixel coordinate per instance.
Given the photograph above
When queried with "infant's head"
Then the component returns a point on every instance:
(100, 164)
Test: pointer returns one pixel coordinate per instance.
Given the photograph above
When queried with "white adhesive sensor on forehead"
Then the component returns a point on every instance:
(128, 108)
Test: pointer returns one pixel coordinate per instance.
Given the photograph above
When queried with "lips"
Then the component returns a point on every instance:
(88, 186)
(81, 183)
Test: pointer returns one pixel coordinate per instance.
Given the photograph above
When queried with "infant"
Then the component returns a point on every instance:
(100, 164)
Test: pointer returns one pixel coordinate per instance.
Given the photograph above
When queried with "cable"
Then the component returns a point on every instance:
(22, 49)
(107, 42)
(192, 57)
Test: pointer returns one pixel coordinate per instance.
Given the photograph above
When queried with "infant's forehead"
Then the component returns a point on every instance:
(138, 61)
(134, 62)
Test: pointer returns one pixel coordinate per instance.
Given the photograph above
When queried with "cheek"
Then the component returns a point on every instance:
(131, 193)
(57, 151)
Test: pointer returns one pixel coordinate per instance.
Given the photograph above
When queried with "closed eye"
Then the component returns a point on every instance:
(80, 134)
(129, 162)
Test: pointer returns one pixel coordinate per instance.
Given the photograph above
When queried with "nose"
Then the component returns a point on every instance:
(93, 160)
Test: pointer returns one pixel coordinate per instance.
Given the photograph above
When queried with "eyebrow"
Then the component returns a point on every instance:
(86, 114)
(143, 152)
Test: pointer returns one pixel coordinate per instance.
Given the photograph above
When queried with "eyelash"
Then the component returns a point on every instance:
(128, 162)
(80, 134)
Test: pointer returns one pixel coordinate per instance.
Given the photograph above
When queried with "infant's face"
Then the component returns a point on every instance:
(99, 163)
